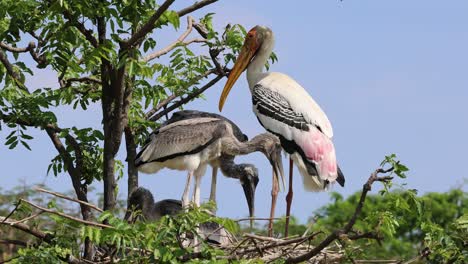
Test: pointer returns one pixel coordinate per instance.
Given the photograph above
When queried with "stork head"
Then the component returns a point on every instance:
(255, 42)
(141, 199)
(249, 180)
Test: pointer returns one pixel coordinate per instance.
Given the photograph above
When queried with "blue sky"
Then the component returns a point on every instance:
(391, 76)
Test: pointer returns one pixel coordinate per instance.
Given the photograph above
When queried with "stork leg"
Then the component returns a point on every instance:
(196, 193)
(213, 187)
(199, 172)
(185, 196)
(289, 198)
(274, 195)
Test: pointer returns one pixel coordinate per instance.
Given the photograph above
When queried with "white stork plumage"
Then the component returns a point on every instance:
(284, 108)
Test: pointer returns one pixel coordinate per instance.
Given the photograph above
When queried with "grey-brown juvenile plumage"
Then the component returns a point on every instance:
(192, 143)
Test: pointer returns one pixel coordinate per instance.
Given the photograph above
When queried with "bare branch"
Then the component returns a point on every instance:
(256, 219)
(148, 26)
(177, 42)
(10, 69)
(87, 33)
(348, 227)
(13, 242)
(25, 228)
(186, 99)
(27, 218)
(90, 223)
(170, 47)
(195, 7)
(85, 79)
(69, 198)
(201, 30)
(161, 104)
(214, 57)
(172, 97)
(30, 46)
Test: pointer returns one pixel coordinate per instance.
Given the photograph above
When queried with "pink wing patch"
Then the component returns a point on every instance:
(319, 149)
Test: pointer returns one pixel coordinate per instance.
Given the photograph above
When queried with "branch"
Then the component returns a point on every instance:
(148, 26)
(201, 30)
(38, 234)
(87, 33)
(195, 7)
(13, 242)
(171, 98)
(174, 44)
(85, 79)
(25, 228)
(30, 46)
(69, 198)
(170, 47)
(66, 216)
(348, 227)
(186, 99)
(10, 70)
(369, 235)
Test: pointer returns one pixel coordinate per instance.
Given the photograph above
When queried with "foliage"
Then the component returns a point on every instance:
(406, 223)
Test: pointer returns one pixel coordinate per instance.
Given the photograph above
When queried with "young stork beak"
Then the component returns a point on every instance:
(249, 186)
(250, 47)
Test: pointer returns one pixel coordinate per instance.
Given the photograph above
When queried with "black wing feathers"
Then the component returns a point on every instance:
(273, 105)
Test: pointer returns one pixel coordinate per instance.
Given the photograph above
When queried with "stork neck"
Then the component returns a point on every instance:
(229, 168)
(255, 69)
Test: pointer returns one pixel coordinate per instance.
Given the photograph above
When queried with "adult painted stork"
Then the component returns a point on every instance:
(191, 144)
(142, 200)
(285, 109)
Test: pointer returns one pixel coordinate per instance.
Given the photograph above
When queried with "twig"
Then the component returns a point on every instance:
(195, 7)
(214, 54)
(30, 46)
(178, 41)
(148, 26)
(11, 213)
(238, 245)
(14, 242)
(260, 251)
(25, 228)
(378, 261)
(186, 99)
(10, 69)
(272, 239)
(255, 218)
(90, 205)
(67, 216)
(424, 253)
(27, 218)
(85, 79)
(9, 260)
(87, 33)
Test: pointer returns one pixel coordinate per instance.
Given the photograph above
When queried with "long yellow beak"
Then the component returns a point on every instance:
(241, 64)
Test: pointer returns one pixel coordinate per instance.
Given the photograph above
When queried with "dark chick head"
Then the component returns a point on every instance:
(141, 199)
(249, 180)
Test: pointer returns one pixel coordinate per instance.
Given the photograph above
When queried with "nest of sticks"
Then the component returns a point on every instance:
(270, 249)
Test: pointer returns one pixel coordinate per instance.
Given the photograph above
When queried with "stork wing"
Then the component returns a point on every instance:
(298, 100)
(181, 138)
(188, 114)
(275, 106)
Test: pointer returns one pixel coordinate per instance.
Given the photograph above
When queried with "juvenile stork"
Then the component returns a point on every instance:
(226, 162)
(191, 144)
(285, 109)
(142, 200)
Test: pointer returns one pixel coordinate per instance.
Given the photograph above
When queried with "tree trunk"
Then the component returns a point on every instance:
(131, 155)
